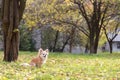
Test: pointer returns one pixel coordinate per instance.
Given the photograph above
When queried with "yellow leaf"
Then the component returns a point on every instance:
(16, 30)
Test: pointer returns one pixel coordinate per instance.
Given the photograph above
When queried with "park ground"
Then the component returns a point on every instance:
(63, 66)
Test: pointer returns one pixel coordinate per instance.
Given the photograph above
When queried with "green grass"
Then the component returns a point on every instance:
(63, 66)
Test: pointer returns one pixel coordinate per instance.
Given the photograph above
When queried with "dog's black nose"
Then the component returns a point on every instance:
(45, 55)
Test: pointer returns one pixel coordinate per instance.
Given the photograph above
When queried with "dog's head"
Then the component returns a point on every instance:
(43, 53)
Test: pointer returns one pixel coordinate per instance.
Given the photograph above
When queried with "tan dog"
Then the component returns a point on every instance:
(39, 60)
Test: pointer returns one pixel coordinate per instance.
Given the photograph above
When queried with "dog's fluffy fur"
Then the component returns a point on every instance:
(39, 60)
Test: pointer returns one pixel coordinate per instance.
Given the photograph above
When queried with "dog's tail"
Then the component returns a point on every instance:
(25, 64)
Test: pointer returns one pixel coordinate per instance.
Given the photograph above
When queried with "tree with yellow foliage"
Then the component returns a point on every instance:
(12, 12)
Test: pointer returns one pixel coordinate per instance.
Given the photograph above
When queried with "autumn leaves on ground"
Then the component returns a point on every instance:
(64, 66)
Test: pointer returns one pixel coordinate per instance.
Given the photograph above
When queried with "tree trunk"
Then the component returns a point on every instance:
(110, 45)
(56, 40)
(65, 43)
(86, 48)
(94, 38)
(91, 42)
(72, 38)
(11, 15)
(96, 42)
(92, 49)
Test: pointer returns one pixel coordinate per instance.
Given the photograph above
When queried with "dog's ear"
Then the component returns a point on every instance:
(40, 51)
(47, 51)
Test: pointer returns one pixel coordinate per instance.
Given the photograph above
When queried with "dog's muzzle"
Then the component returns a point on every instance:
(45, 55)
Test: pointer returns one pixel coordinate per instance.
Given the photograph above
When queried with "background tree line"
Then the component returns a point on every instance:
(83, 20)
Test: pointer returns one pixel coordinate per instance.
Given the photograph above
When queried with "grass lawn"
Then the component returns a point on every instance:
(63, 66)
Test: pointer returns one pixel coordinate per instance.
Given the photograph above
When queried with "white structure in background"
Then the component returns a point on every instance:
(116, 44)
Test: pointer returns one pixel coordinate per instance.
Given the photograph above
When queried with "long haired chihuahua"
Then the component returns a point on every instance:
(39, 60)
